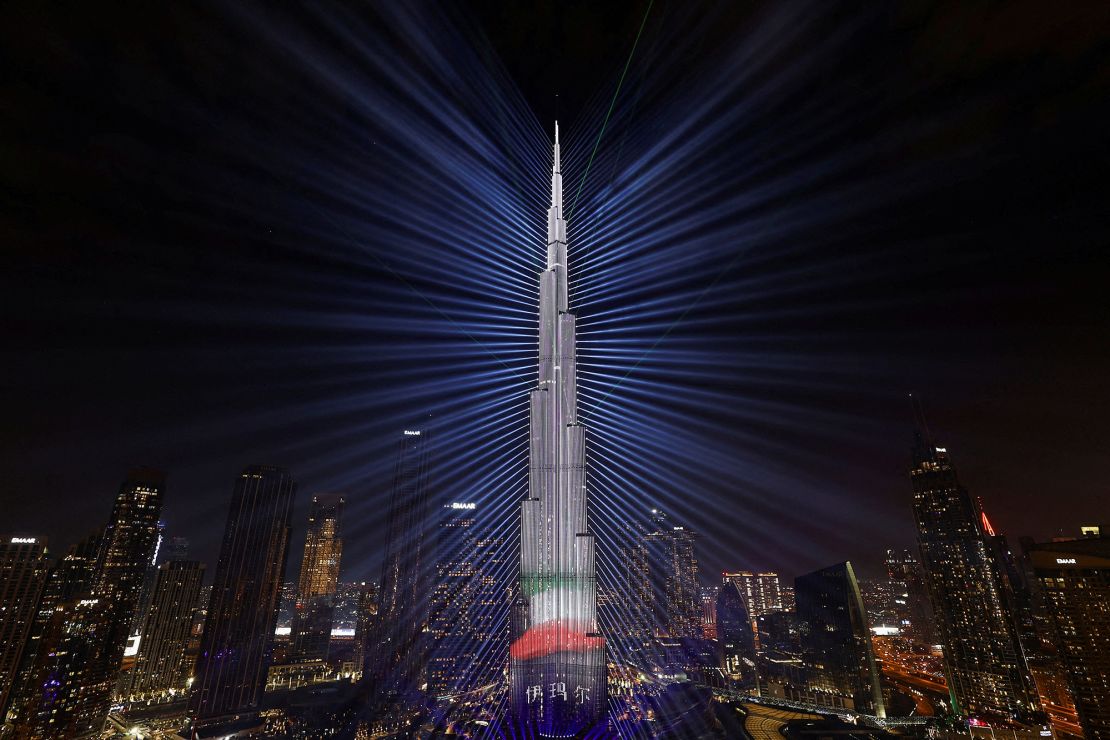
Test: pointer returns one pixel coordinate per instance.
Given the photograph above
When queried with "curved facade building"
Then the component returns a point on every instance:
(735, 638)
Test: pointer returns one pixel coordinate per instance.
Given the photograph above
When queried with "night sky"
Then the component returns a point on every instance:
(178, 291)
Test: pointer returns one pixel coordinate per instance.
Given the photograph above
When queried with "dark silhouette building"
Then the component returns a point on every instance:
(160, 665)
(23, 571)
(319, 579)
(395, 659)
(366, 615)
(174, 548)
(735, 638)
(1075, 580)
(237, 643)
(986, 669)
(911, 596)
(836, 638)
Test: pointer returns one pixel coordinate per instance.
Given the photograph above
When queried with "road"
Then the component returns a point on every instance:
(1062, 720)
(764, 723)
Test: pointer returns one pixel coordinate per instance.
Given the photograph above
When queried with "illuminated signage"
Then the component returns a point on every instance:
(411, 433)
(23, 540)
(1065, 561)
(457, 505)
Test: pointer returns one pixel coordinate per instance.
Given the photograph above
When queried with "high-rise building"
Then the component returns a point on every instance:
(762, 591)
(629, 622)
(986, 669)
(787, 595)
(160, 665)
(557, 663)
(23, 571)
(73, 680)
(836, 638)
(149, 576)
(676, 591)
(396, 658)
(709, 611)
(1074, 578)
(467, 599)
(323, 547)
(75, 574)
(911, 596)
(735, 638)
(174, 548)
(237, 643)
(71, 578)
(366, 614)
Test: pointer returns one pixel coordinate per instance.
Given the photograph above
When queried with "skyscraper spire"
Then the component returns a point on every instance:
(558, 657)
(556, 226)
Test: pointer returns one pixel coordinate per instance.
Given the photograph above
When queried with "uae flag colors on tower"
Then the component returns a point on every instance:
(557, 656)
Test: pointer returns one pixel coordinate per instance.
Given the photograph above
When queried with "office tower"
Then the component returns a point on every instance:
(395, 659)
(160, 665)
(96, 630)
(786, 594)
(174, 548)
(709, 611)
(1042, 653)
(323, 547)
(81, 649)
(676, 593)
(287, 605)
(1018, 594)
(366, 613)
(911, 596)
(23, 571)
(735, 638)
(238, 638)
(836, 637)
(776, 632)
(987, 672)
(762, 591)
(455, 571)
(75, 574)
(1074, 578)
(149, 576)
(558, 663)
(467, 599)
(70, 578)
(630, 622)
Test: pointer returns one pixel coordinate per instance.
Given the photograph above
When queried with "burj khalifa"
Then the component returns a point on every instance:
(557, 656)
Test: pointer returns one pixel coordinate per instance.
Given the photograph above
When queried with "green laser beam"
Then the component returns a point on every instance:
(612, 104)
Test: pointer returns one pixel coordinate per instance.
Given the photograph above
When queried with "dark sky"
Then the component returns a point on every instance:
(151, 281)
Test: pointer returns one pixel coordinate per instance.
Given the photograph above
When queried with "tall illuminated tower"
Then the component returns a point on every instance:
(238, 639)
(987, 672)
(23, 572)
(558, 659)
(394, 660)
(319, 579)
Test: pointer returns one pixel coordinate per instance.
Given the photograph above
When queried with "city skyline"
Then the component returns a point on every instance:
(679, 456)
(1016, 385)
